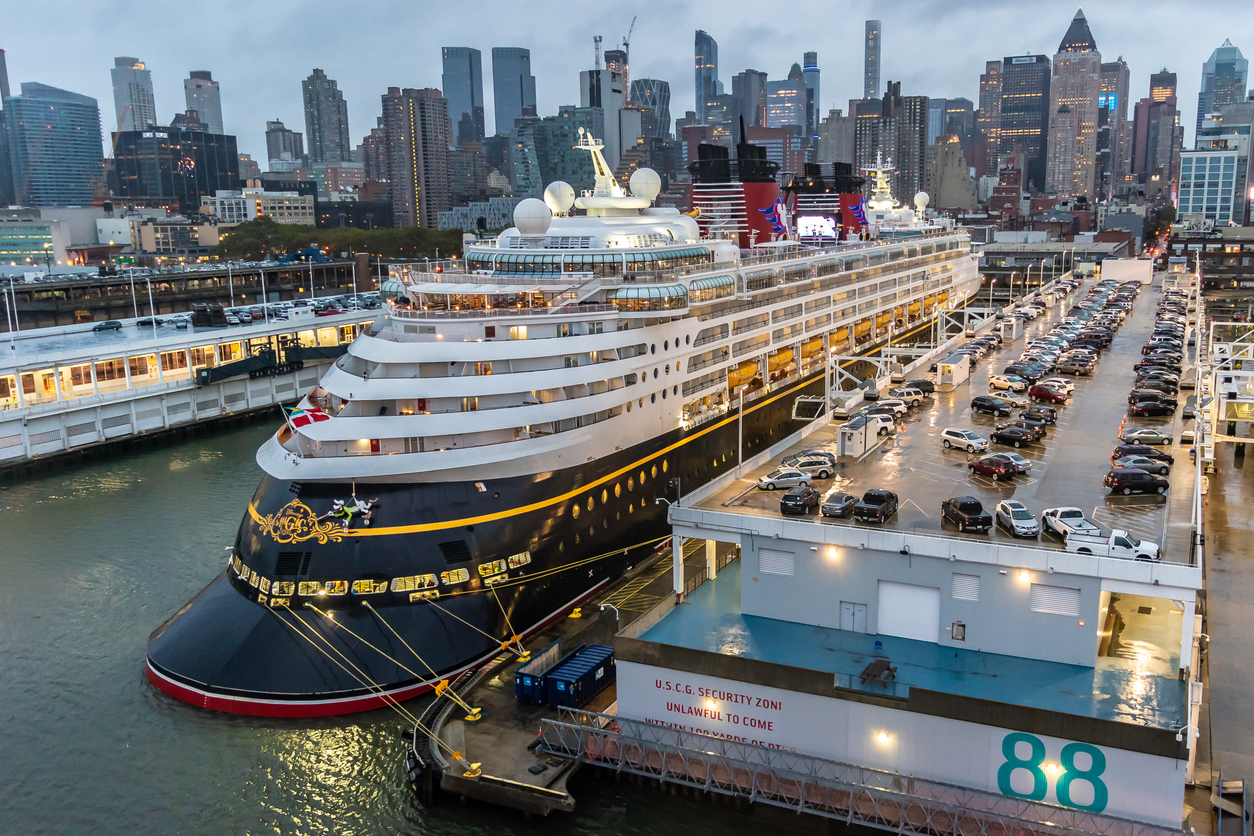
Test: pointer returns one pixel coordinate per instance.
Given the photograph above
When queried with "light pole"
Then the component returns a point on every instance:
(9, 310)
(230, 283)
(265, 300)
(152, 312)
(1012, 283)
(48, 258)
(134, 301)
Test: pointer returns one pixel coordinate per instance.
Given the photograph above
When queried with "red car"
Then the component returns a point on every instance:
(993, 466)
(1048, 394)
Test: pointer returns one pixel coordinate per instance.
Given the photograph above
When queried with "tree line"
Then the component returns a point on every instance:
(263, 238)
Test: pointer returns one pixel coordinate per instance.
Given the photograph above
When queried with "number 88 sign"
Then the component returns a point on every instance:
(1077, 775)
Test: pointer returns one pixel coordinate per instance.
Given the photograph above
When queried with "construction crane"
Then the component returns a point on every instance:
(627, 40)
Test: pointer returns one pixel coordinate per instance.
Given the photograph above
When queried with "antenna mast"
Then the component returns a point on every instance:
(596, 43)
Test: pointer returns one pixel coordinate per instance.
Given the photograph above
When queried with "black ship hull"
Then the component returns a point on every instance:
(375, 631)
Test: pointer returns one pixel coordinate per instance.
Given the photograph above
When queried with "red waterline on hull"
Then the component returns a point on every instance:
(321, 708)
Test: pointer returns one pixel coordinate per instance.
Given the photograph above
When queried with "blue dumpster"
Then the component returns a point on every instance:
(581, 676)
(529, 677)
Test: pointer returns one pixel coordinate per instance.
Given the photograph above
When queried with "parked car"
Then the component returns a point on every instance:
(967, 513)
(876, 506)
(994, 467)
(964, 439)
(1145, 435)
(1047, 393)
(817, 466)
(1015, 517)
(1143, 462)
(990, 405)
(1007, 381)
(1022, 464)
(1044, 414)
(808, 454)
(1139, 395)
(1060, 383)
(1012, 436)
(912, 397)
(1130, 480)
(839, 505)
(1145, 450)
(1064, 521)
(1146, 408)
(784, 477)
(923, 385)
(1118, 543)
(107, 325)
(799, 500)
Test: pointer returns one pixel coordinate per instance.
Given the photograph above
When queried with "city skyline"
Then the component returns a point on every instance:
(257, 84)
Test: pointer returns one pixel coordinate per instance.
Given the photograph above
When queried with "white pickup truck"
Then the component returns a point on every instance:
(1116, 544)
(1064, 521)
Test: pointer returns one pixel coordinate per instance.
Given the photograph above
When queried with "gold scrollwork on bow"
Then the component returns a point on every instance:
(295, 523)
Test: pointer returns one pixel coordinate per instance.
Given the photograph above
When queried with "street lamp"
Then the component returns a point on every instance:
(48, 256)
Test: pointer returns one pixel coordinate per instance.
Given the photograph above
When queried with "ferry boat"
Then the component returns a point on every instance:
(500, 444)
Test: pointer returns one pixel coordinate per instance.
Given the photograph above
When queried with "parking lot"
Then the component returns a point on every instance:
(1067, 468)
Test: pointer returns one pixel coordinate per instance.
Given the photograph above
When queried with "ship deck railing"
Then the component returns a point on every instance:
(502, 313)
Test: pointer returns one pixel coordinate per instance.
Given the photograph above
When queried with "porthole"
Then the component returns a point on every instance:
(653, 398)
(578, 540)
(629, 406)
(655, 374)
(561, 547)
(591, 503)
(653, 348)
(642, 478)
(592, 530)
(663, 394)
(605, 496)
(640, 403)
(631, 483)
(675, 390)
(574, 510)
(618, 489)
(666, 345)
(605, 523)
(618, 515)
(714, 463)
(653, 472)
(665, 465)
(687, 339)
(677, 364)
(668, 368)
(724, 458)
(631, 508)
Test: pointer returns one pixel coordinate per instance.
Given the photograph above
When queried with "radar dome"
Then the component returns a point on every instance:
(921, 200)
(532, 217)
(559, 197)
(645, 183)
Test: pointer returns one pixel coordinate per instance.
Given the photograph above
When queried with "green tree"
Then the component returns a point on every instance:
(263, 238)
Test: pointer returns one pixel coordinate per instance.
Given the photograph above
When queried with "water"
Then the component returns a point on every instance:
(92, 560)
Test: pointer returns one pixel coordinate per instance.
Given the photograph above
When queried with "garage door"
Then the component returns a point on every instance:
(908, 611)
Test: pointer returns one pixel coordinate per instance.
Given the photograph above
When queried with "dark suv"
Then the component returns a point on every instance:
(1138, 395)
(1044, 414)
(1145, 450)
(799, 500)
(1036, 428)
(876, 506)
(107, 325)
(967, 513)
(991, 405)
(1129, 480)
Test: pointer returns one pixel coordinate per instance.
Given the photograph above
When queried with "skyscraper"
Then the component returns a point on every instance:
(616, 61)
(706, 81)
(1112, 118)
(418, 131)
(1071, 161)
(604, 89)
(203, 96)
(785, 103)
(988, 120)
(871, 61)
(326, 120)
(6, 166)
(178, 163)
(513, 86)
(1162, 86)
(1225, 77)
(1025, 114)
(810, 75)
(283, 145)
(132, 94)
(1157, 135)
(654, 96)
(463, 87)
(936, 115)
(54, 142)
(749, 88)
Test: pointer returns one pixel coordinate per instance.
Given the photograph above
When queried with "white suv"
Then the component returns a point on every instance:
(963, 439)
(814, 465)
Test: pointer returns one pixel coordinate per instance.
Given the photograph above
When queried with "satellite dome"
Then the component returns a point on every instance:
(921, 200)
(645, 183)
(532, 217)
(559, 197)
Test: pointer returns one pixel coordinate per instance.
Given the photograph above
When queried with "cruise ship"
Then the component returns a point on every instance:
(502, 441)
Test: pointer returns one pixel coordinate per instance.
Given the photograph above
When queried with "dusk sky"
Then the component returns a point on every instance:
(260, 51)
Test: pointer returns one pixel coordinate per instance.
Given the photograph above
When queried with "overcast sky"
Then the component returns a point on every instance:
(260, 50)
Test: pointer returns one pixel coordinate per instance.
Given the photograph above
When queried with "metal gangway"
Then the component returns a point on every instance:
(855, 795)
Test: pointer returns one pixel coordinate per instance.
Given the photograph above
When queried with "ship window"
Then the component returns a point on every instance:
(629, 406)
(561, 547)
(653, 472)
(631, 508)
(655, 374)
(494, 567)
(310, 587)
(605, 496)
(687, 339)
(653, 398)
(653, 348)
(252, 578)
(668, 368)
(369, 587)
(574, 510)
(280, 602)
(642, 478)
(665, 465)
(264, 585)
(591, 503)
(237, 564)
(284, 587)
(455, 576)
(336, 587)
(631, 484)
(520, 559)
(618, 489)
(666, 345)
(424, 595)
(674, 390)
(663, 394)
(411, 582)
